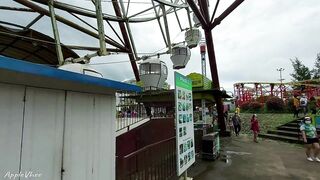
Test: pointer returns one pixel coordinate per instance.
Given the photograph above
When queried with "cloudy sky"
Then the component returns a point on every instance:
(250, 44)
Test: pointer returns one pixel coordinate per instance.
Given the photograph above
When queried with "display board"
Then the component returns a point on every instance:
(184, 123)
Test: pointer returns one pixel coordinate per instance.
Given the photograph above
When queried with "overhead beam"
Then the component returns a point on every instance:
(16, 9)
(41, 10)
(174, 5)
(89, 48)
(225, 13)
(89, 13)
(27, 52)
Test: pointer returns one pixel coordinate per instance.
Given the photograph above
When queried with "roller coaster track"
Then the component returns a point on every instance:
(248, 91)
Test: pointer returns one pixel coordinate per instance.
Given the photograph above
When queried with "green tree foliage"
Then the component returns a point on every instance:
(300, 71)
(316, 69)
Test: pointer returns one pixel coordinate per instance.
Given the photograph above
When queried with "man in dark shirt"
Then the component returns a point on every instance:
(236, 123)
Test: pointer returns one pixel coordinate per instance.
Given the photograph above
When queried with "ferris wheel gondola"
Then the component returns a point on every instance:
(153, 73)
(180, 56)
(193, 37)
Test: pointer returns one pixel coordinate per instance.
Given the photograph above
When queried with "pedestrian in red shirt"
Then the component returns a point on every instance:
(255, 127)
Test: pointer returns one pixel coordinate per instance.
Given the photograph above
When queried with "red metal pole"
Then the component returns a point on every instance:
(213, 65)
(126, 40)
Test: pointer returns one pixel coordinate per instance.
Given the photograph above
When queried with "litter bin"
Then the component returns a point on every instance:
(210, 146)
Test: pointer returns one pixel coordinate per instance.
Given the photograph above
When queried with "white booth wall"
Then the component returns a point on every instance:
(46, 131)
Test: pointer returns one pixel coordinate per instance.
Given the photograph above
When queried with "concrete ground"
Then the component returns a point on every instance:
(241, 158)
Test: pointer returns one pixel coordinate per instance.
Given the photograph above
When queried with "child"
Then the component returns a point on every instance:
(255, 127)
(309, 135)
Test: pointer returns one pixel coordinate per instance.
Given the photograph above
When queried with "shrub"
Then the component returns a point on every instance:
(262, 98)
(252, 106)
(255, 106)
(275, 104)
(245, 106)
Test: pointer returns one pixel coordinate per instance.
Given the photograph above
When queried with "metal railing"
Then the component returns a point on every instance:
(153, 162)
(128, 110)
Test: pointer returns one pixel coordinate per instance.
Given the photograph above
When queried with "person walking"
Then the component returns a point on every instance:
(255, 127)
(303, 104)
(238, 110)
(236, 121)
(296, 105)
(310, 138)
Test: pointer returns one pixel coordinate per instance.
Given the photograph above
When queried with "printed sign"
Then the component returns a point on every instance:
(184, 123)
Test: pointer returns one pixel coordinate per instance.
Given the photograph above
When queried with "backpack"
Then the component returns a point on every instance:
(303, 102)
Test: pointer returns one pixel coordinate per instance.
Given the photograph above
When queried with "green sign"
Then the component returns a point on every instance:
(183, 82)
(184, 123)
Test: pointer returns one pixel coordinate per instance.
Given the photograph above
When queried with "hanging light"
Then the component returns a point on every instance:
(153, 73)
(192, 37)
(180, 56)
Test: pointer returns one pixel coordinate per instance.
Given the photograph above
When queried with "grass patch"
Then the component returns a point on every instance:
(267, 121)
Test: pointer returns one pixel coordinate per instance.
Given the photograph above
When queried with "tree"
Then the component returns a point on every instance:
(300, 71)
(316, 69)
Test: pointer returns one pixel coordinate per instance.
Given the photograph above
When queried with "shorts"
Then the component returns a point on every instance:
(312, 140)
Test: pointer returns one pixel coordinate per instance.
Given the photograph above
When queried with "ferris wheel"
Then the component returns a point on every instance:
(41, 27)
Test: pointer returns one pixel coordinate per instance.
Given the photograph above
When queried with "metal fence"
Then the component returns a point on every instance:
(128, 110)
(153, 162)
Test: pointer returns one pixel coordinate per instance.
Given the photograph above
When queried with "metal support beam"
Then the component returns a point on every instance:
(16, 9)
(198, 14)
(56, 33)
(102, 39)
(128, 28)
(214, 11)
(159, 23)
(89, 13)
(176, 14)
(34, 21)
(28, 52)
(213, 65)
(41, 10)
(189, 18)
(165, 20)
(126, 40)
(225, 13)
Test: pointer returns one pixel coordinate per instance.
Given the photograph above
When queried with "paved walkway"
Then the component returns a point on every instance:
(266, 160)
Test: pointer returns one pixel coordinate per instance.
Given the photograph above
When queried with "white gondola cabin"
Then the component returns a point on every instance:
(193, 37)
(180, 56)
(153, 73)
